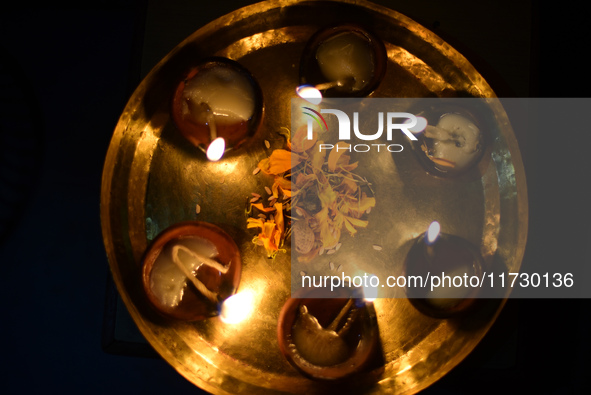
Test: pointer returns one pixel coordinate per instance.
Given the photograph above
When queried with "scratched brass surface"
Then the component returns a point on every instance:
(153, 178)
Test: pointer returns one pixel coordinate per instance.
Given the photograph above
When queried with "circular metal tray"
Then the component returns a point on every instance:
(153, 178)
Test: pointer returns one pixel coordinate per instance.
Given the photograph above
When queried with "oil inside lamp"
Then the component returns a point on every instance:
(323, 346)
(453, 145)
(345, 60)
(443, 254)
(217, 99)
(171, 272)
(346, 57)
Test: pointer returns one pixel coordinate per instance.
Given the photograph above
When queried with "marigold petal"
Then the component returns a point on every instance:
(356, 221)
(336, 153)
(283, 182)
(350, 227)
(254, 223)
(279, 220)
(263, 208)
(318, 156)
(279, 162)
(300, 142)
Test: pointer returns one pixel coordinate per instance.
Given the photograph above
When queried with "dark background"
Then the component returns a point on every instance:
(65, 76)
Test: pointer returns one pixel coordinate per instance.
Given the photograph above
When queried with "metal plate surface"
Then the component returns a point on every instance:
(153, 178)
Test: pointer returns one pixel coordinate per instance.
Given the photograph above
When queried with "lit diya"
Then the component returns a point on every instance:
(327, 338)
(217, 106)
(343, 61)
(452, 143)
(189, 269)
(440, 254)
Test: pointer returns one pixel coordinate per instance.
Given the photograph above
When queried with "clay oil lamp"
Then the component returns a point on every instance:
(327, 339)
(217, 106)
(343, 61)
(189, 269)
(455, 261)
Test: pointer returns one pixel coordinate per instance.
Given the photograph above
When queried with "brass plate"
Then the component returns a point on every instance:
(153, 178)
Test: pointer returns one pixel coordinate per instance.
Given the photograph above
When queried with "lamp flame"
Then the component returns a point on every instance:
(237, 308)
(370, 292)
(216, 149)
(309, 93)
(433, 232)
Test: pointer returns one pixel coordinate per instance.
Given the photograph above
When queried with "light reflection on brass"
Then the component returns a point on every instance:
(418, 68)
(153, 178)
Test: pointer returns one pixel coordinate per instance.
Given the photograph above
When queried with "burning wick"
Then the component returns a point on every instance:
(237, 308)
(217, 146)
(216, 149)
(347, 82)
(370, 292)
(432, 235)
(309, 93)
(433, 232)
(313, 94)
(346, 310)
